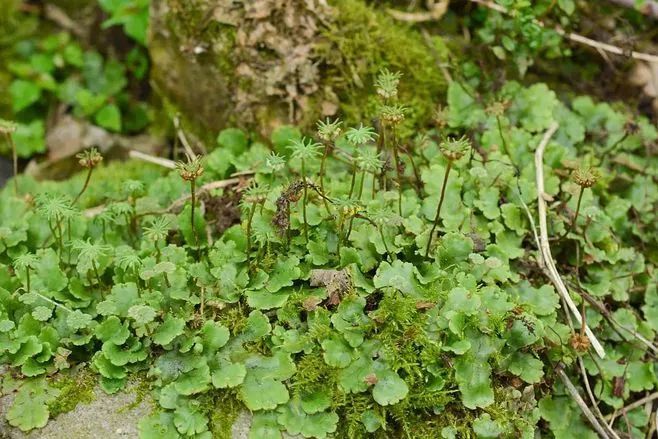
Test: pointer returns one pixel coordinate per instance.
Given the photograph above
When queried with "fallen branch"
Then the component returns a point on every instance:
(579, 38)
(632, 406)
(595, 406)
(434, 13)
(183, 139)
(614, 323)
(545, 248)
(170, 164)
(180, 202)
(579, 400)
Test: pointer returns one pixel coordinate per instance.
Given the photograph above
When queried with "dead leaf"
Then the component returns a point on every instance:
(337, 283)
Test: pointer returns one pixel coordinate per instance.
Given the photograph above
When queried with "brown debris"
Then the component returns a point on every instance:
(337, 283)
(223, 211)
(275, 42)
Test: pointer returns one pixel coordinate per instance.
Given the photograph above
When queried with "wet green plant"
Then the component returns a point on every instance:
(88, 159)
(305, 150)
(338, 325)
(585, 178)
(452, 149)
(328, 131)
(190, 171)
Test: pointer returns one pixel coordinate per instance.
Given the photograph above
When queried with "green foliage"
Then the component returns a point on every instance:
(520, 34)
(329, 319)
(132, 15)
(54, 70)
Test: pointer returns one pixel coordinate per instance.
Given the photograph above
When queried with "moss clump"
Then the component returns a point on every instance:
(74, 389)
(360, 42)
(223, 409)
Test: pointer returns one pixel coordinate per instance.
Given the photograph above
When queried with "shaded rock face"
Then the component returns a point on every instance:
(221, 62)
(261, 63)
(106, 417)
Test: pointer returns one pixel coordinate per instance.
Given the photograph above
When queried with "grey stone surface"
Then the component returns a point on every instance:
(106, 417)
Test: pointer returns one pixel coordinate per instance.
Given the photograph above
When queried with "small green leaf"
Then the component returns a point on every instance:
(109, 117)
(228, 375)
(473, 379)
(23, 94)
(171, 328)
(390, 389)
(264, 394)
(111, 330)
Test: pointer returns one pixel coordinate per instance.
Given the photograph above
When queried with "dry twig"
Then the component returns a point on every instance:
(133, 154)
(545, 248)
(579, 400)
(183, 139)
(640, 402)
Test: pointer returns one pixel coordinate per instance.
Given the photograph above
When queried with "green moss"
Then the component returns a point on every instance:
(141, 388)
(360, 42)
(74, 389)
(223, 408)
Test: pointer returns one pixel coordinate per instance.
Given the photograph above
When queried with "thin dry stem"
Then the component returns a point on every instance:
(579, 400)
(632, 406)
(183, 139)
(545, 248)
(166, 163)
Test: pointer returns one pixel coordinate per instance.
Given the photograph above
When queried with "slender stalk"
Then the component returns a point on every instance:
(363, 178)
(349, 230)
(322, 170)
(288, 228)
(60, 237)
(194, 231)
(381, 234)
(27, 275)
(353, 183)
(84, 187)
(341, 221)
(158, 253)
(203, 300)
(96, 273)
(438, 208)
(68, 231)
(304, 202)
(252, 211)
(14, 154)
(415, 170)
(381, 146)
(575, 218)
(374, 179)
(396, 159)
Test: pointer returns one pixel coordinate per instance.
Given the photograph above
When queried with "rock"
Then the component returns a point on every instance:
(107, 416)
(262, 63)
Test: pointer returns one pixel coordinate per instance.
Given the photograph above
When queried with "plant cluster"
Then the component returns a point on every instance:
(56, 72)
(346, 302)
(519, 34)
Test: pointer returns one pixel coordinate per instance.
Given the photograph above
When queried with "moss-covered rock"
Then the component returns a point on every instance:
(267, 62)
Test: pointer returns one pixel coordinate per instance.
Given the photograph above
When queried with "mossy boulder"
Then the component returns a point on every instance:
(263, 63)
